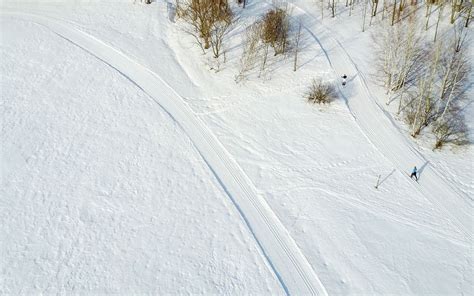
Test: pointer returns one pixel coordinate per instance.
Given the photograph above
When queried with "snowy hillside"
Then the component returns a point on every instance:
(133, 163)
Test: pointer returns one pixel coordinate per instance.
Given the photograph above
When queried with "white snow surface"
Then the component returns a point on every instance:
(130, 167)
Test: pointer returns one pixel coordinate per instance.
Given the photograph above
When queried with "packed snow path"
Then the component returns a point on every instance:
(286, 259)
(378, 127)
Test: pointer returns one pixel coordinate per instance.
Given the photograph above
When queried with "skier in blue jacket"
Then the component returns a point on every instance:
(414, 173)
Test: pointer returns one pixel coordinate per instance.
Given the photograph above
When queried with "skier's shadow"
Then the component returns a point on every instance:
(422, 168)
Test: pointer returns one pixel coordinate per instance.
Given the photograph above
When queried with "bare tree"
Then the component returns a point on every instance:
(394, 11)
(275, 30)
(450, 129)
(469, 13)
(266, 47)
(365, 13)
(453, 73)
(440, 92)
(333, 8)
(202, 16)
(440, 12)
(429, 5)
(375, 5)
(454, 8)
(218, 32)
(252, 47)
(410, 59)
(399, 52)
(351, 8)
(460, 35)
(297, 45)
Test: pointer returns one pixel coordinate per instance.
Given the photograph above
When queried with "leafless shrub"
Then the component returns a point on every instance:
(321, 92)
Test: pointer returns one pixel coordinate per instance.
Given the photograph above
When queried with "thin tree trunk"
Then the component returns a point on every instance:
(427, 92)
(383, 9)
(401, 6)
(440, 12)
(265, 56)
(376, 5)
(417, 112)
(453, 10)
(469, 15)
(428, 14)
(365, 12)
(444, 85)
(322, 9)
(297, 44)
(400, 101)
(394, 11)
(452, 91)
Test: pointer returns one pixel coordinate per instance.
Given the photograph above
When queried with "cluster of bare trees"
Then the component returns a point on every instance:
(428, 78)
(270, 32)
(396, 10)
(208, 22)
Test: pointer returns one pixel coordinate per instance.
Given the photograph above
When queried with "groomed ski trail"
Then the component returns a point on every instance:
(378, 127)
(282, 253)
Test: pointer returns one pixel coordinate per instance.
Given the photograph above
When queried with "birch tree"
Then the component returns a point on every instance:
(297, 46)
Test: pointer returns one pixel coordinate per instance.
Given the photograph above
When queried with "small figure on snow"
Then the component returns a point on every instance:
(414, 174)
(344, 78)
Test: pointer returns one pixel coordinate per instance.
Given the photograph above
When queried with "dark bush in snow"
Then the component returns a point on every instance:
(321, 92)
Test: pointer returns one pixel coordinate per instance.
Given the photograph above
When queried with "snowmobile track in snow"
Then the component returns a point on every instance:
(282, 253)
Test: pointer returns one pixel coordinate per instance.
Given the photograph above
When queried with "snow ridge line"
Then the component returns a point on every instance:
(284, 256)
(387, 138)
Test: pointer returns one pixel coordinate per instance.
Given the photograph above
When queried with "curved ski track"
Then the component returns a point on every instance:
(282, 253)
(382, 132)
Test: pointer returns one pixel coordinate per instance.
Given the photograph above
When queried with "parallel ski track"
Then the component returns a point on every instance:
(282, 253)
(383, 133)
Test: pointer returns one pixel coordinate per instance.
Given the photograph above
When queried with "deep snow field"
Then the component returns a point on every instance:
(128, 166)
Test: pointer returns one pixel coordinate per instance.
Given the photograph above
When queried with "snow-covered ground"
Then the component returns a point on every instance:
(130, 167)
(101, 190)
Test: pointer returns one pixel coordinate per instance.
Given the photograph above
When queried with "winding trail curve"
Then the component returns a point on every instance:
(282, 253)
